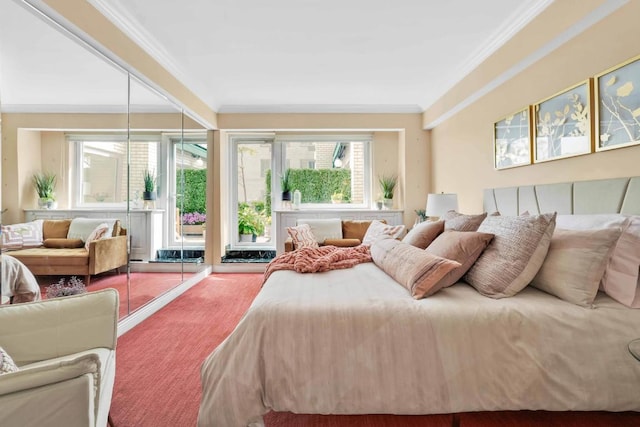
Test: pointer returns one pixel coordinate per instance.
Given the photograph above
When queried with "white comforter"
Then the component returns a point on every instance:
(355, 342)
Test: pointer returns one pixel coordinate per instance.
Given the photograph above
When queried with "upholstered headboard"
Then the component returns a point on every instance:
(616, 195)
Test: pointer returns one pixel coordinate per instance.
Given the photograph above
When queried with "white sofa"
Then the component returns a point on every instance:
(65, 349)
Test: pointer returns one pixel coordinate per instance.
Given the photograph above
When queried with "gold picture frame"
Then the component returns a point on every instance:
(617, 94)
(512, 136)
(562, 124)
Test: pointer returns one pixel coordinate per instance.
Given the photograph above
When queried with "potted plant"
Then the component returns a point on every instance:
(388, 185)
(45, 184)
(250, 224)
(285, 185)
(193, 223)
(149, 185)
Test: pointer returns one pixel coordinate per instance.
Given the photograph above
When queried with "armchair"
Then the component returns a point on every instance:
(65, 351)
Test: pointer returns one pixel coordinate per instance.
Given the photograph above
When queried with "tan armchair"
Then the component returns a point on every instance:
(65, 351)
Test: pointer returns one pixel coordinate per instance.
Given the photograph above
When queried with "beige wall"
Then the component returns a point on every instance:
(36, 142)
(462, 146)
(400, 145)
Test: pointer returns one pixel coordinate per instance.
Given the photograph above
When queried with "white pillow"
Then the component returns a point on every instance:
(378, 229)
(324, 229)
(575, 263)
(98, 233)
(81, 228)
(26, 235)
(621, 280)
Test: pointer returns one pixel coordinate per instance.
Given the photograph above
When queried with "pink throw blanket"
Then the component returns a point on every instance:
(324, 258)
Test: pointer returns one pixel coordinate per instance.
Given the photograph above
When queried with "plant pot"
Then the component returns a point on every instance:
(52, 204)
(286, 196)
(42, 203)
(379, 205)
(247, 237)
(388, 203)
(148, 195)
(192, 229)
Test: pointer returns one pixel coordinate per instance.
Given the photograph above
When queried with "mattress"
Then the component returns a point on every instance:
(355, 342)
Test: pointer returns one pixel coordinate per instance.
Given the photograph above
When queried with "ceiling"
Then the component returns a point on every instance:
(279, 56)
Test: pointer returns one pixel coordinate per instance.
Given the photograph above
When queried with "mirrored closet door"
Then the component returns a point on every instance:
(118, 151)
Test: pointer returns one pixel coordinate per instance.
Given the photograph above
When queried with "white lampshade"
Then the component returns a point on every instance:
(439, 204)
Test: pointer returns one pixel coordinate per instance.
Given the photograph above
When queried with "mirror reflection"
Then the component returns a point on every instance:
(93, 172)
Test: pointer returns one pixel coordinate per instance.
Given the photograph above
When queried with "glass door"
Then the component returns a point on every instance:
(252, 201)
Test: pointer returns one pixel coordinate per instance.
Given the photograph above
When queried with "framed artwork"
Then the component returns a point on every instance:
(562, 124)
(512, 140)
(618, 106)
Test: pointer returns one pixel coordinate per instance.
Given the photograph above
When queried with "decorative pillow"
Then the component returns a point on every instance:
(55, 228)
(302, 236)
(18, 236)
(98, 233)
(63, 243)
(621, 279)
(323, 229)
(460, 222)
(423, 234)
(80, 228)
(514, 256)
(342, 243)
(7, 365)
(356, 229)
(418, 271)
(378, 229)
(575, 264)
(462, 246)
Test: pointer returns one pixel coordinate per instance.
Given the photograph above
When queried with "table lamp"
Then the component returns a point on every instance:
(439, 204)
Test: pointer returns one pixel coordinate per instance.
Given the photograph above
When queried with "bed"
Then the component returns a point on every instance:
(353, 341)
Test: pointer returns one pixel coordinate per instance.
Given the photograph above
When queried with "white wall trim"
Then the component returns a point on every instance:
(321, 109)
(595, 16)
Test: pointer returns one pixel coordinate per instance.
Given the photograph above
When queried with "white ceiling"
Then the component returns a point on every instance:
(259, 56)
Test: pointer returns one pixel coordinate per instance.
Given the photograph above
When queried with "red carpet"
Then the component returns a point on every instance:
(143, 286)
(158, 370)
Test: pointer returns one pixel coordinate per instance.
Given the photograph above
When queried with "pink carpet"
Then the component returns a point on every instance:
(158, 370)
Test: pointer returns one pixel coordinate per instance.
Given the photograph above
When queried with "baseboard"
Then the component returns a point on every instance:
(240, 267)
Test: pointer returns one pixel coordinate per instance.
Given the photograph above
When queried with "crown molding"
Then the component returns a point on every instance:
(83, 109)
(321, 109)
(589, 20)
(135, 31)
(517, 21)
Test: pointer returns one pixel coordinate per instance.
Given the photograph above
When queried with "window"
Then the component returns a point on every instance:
(326, 169)
(101, 169)
(329, 169)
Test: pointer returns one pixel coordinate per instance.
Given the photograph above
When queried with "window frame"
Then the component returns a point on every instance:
(280, 166)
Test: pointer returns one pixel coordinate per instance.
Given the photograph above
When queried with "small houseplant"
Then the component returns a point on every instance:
(387, 185)
(45, 184)
(250, 224)
(149, 185)
(285, 185)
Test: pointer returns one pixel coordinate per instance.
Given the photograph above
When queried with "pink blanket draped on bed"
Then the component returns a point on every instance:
(314, 260)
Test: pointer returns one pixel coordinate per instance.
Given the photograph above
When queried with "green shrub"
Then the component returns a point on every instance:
(193, 197)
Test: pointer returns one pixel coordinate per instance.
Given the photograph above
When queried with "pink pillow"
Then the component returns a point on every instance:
(98, 233)
(418, 271)
(462, 246)
(302, 236)
(460, 222)
(423, 234)
(18, 236)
